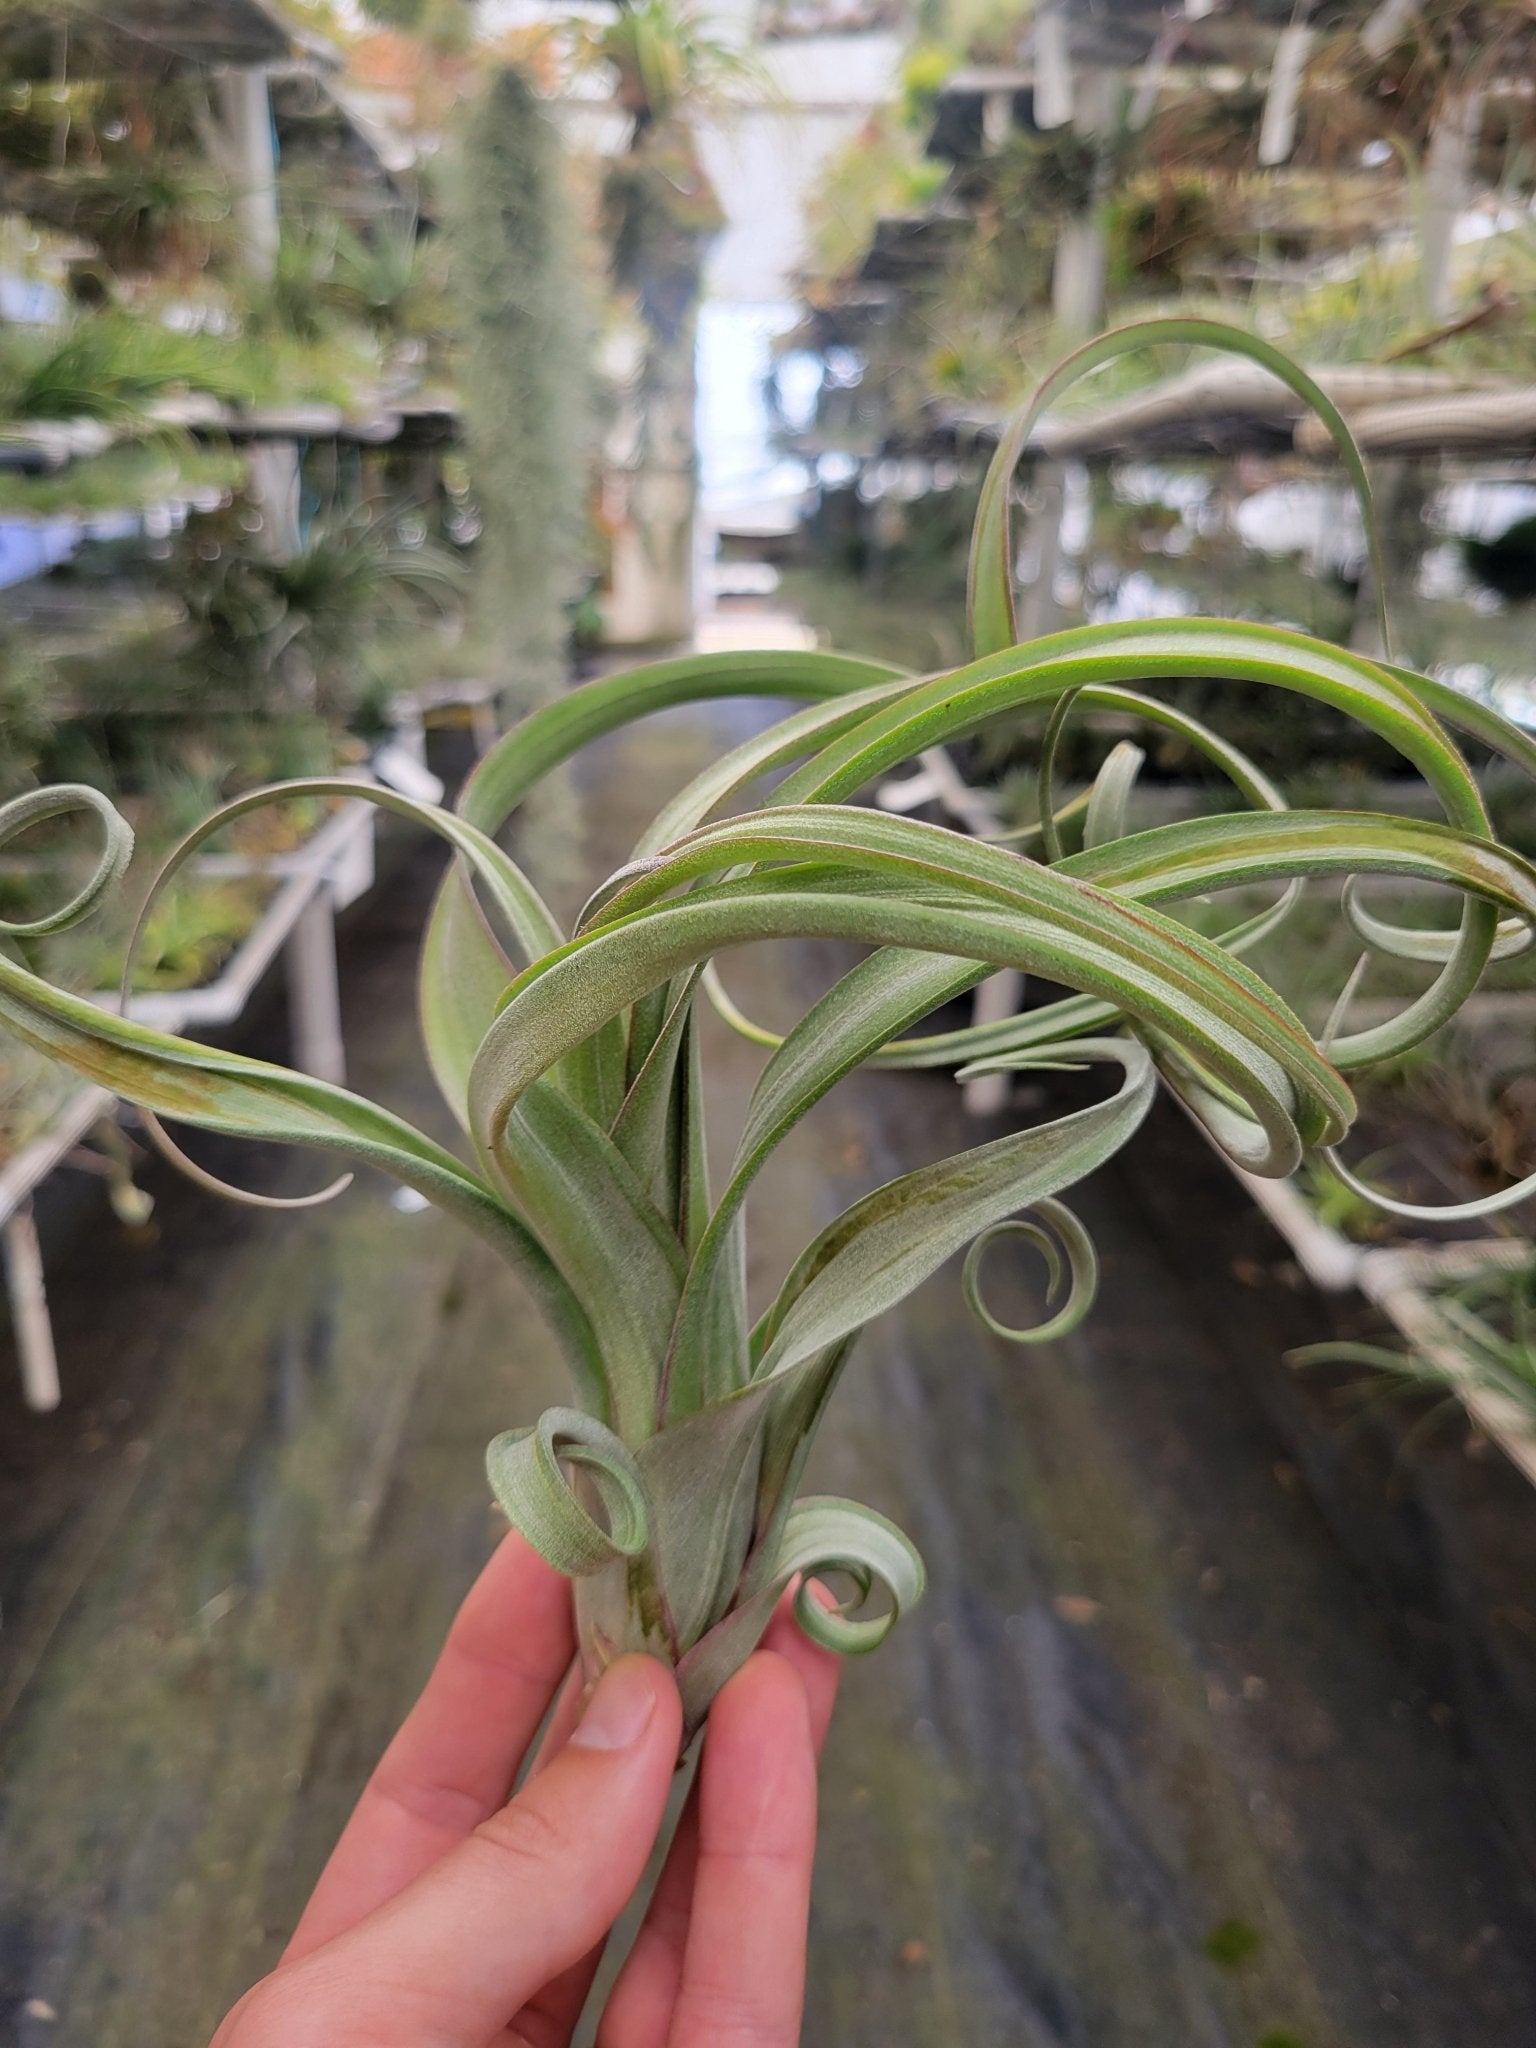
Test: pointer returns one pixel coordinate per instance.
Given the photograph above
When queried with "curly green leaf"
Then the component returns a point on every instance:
(526, 1468)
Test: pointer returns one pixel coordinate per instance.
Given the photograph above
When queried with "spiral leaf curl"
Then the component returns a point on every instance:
(1066, 1234)
(23, 812)
(572, 1064)
(820, 1535)
(526, 1471)
(825, 1535)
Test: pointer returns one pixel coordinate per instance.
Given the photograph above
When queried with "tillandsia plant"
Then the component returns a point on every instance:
(1476, 1338)
(668, 1491)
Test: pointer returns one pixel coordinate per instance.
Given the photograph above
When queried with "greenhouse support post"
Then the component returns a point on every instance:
(1447, 190)
(29, 1309)
(249, 149)
(314, 992)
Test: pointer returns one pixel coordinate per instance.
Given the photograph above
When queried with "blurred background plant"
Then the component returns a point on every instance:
(107, 366)
(1483, 1340)
(26, 714)
(303, 620)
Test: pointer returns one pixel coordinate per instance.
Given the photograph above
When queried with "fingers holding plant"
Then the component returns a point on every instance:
(456, 1912)
(456, 1954)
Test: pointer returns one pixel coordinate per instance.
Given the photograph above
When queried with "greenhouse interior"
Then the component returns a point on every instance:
(767, 880)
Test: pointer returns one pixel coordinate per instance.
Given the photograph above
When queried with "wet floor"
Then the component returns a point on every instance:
(1209, 1731)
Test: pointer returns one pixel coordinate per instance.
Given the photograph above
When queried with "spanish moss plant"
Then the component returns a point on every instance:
(668, 1488)
(523, 346)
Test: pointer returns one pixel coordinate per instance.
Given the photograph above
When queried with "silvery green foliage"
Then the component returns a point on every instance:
(571, 1062)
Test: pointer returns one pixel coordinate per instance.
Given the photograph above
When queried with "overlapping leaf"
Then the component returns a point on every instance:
(573, 1065)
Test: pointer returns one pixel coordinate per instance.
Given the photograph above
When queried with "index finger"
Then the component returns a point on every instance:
(456, 1757)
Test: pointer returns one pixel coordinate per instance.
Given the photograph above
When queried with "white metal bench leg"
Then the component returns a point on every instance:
(314, 991)
(997, 997)
(29, 1310)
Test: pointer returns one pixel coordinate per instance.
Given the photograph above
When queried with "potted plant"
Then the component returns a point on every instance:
(668, 1491)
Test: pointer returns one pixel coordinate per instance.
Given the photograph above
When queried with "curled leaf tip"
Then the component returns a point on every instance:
(822, 1534)
(231, 1191)
(528, 1471)
(37, 805)
(1425, 1212)
(1053, 1230)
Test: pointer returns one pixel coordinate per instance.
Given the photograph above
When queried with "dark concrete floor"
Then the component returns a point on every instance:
(1211, 1731)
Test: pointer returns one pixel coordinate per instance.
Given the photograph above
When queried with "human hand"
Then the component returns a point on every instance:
(452, 1917)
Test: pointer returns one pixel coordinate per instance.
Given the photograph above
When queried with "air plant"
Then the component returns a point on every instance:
(108, 367)
(668, 1490)
(1478, 1337)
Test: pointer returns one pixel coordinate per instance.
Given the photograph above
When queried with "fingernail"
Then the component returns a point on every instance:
(620, 1708)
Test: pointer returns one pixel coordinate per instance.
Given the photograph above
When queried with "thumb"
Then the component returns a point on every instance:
(454, 1956)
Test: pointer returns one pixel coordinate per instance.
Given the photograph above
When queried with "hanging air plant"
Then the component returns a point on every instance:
(668, 1490)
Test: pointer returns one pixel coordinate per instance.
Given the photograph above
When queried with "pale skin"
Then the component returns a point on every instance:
(453, 1914)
